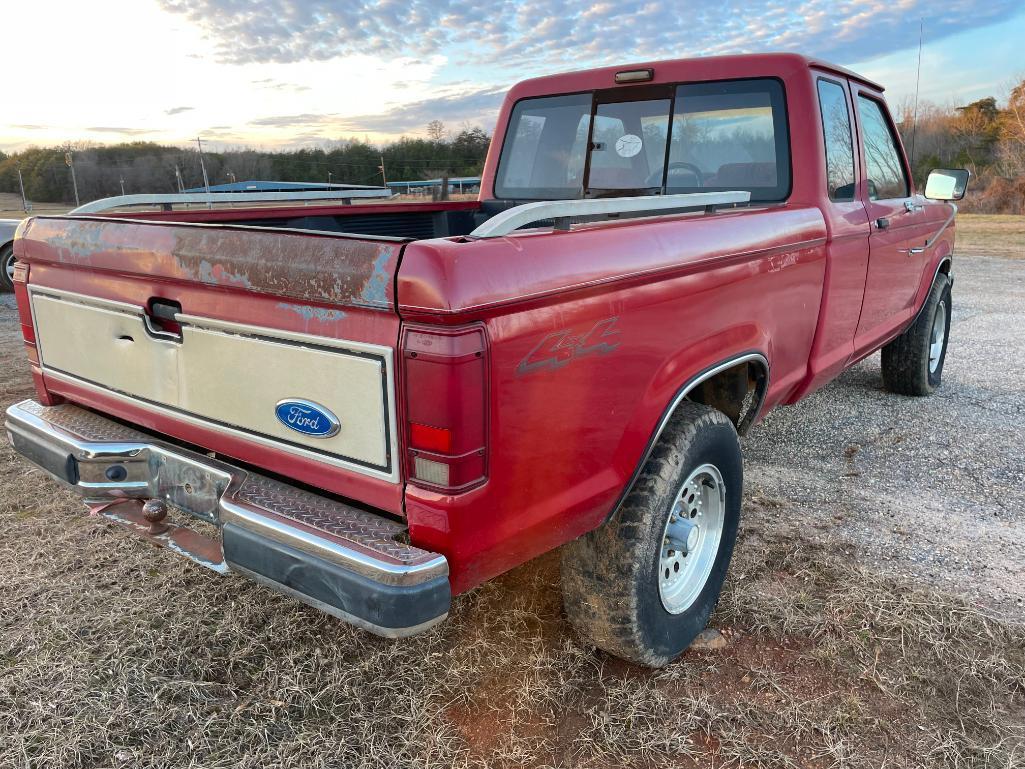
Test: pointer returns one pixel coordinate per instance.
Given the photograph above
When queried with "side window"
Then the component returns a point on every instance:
(836, 130)
(883, 167)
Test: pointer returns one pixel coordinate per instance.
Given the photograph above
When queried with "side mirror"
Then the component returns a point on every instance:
(947, 184)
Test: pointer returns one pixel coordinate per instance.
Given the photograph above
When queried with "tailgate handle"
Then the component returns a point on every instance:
(162, 319)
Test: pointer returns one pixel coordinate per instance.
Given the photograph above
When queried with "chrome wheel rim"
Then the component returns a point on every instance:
(9, 267)
(691, 537)
(937, 337)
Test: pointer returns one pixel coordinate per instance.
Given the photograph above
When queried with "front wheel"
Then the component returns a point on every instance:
(7, 267)
(643, 585)
(913, 362)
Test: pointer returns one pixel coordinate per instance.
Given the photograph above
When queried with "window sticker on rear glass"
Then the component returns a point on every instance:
(628, 145)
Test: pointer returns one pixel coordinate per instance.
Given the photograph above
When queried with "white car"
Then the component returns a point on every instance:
(7, 228)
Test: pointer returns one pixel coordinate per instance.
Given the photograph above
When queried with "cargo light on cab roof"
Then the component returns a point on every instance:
(635, 75)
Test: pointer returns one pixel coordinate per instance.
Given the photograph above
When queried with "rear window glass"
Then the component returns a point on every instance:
(628, 145)
(543, 154)
(720, 136)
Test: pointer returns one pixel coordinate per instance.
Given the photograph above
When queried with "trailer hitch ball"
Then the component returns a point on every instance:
(155, 511)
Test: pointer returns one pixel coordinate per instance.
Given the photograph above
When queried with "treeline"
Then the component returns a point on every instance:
(142, 167)
(983, 137)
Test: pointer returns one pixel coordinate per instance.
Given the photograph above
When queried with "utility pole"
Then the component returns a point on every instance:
(70, 162)
(21, 183)
(384, 178)
(122, 184)
(178, 178)
(202, 165)
(328, 177)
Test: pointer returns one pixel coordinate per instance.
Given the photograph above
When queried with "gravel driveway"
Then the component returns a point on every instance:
(929, 487)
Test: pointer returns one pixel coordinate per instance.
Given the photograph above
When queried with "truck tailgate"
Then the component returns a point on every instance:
(269, 321)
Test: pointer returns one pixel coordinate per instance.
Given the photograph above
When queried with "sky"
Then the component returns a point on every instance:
(286, 73)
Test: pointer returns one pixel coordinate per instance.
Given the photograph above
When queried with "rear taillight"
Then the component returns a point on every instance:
(445, 375)
(28, 333)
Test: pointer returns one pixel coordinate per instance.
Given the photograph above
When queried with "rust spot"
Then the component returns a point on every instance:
(324, 268)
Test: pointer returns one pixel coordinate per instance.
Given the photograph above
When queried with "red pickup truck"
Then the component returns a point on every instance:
(375, 407)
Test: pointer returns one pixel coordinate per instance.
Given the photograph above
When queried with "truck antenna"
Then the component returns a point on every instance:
(918, 81)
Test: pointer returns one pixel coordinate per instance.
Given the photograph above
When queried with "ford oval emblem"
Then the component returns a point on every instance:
(307, 418)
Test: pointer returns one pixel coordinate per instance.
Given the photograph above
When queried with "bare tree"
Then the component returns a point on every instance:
(1011, 149)
(436, 131)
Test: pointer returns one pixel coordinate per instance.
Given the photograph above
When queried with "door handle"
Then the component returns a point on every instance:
(914, 250)
(162, 320)
(882, 222)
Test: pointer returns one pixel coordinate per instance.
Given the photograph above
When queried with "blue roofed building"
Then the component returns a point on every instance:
(263, 186)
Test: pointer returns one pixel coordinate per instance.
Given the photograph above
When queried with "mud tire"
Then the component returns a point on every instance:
(610, 575)
(6, 260)
(905, 360)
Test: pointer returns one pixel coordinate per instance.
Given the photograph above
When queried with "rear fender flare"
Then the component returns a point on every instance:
(752, 357)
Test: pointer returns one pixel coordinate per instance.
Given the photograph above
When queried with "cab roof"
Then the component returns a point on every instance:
(782, 65)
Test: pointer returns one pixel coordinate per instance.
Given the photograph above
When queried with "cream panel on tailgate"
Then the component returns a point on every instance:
(222, 372)
(105, 346)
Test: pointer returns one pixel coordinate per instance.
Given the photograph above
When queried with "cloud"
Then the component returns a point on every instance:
(292, 121)
(540, 35)
(479, 107)
(178, 110)
(104, 129)
(279, 85)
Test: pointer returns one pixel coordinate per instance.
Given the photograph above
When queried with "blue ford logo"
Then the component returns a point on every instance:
(307, 418)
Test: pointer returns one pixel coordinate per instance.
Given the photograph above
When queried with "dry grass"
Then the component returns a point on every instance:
(991, 235)
(115, 654)
(10, 207)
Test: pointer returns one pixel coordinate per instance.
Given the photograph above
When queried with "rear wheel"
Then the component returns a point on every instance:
(7, 267)
(643, 586)
(913, 362)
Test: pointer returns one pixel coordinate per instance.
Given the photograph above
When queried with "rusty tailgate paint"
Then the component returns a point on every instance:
(308, 266)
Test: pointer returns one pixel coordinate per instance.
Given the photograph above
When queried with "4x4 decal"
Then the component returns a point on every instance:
(560, 348)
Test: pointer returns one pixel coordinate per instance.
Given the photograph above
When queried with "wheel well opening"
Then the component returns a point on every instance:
(945, 267)
(736, 391)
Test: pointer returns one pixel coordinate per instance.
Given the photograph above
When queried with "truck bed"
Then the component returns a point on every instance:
(410, 221)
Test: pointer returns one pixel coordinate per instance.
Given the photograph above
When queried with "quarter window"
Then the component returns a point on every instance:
(883, 166)
(836, 130)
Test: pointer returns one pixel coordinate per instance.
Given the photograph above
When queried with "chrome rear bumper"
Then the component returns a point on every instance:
(337, 557)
